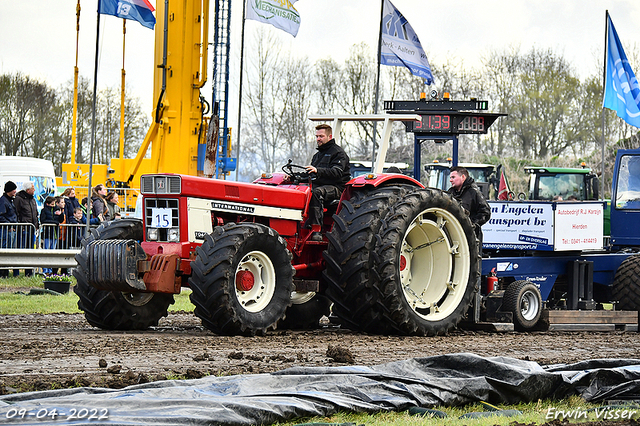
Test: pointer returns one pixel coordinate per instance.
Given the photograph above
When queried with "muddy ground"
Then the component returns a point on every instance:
(61, 350)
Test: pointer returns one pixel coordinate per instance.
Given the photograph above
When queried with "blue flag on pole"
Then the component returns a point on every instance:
(138, 10)
(621, 90)
(400, 44)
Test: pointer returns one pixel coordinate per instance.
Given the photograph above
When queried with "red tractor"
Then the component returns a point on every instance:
(396, 257)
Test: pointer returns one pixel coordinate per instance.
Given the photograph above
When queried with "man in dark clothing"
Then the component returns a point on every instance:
(464, 189)
(8, 216)
(330, 165)
(27, 211)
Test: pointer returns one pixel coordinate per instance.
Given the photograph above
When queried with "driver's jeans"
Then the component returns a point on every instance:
(321, 196)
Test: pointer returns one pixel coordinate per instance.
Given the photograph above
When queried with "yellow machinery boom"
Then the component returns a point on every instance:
(179, 125)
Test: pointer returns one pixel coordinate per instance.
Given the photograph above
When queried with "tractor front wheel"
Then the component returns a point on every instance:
(114, 310)
(242, 279)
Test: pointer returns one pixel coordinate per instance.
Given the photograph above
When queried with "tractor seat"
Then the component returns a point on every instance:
(331, 208)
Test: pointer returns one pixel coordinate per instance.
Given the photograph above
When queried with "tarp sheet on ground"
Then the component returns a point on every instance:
(446, 380)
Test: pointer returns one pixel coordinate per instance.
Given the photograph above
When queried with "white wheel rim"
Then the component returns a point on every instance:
(299, 298)
(437, 264)
(264, 286)
(529, 305)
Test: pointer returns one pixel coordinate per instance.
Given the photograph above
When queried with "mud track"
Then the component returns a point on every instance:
(62, 350)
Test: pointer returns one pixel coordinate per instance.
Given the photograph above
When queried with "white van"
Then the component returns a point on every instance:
(23, 169)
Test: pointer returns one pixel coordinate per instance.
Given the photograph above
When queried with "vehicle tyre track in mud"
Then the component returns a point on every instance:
(62, 350)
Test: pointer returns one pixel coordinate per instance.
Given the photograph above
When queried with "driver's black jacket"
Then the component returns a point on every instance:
(332, 164)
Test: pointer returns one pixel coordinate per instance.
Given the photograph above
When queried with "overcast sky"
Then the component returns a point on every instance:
(38, 37)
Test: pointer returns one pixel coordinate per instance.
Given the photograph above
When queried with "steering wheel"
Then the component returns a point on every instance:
(295, 177)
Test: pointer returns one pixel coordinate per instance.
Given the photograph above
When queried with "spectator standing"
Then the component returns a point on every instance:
(464, 189)
(99, 204)
(50, 217)
(61, 206)
(8, 215)
(70, 202)
(112, 205)
(27, 212)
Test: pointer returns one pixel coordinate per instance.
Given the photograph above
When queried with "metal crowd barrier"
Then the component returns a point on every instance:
(49, 246)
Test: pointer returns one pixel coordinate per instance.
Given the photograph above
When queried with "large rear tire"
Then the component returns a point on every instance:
(428, 263)
(352, 281)
(112, 310)
(523, 299)
(626, 284)
(242, 279)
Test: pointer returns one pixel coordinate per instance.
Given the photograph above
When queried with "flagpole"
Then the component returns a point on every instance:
(124, 33)
(375, 102)
(74, 120)
(604, 80)
(93, 119)
(244, 4)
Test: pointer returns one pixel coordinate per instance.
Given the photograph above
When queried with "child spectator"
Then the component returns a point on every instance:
(75, 231)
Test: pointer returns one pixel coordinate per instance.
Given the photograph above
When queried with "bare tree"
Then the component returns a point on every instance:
(356, 96)
(263, 143)
(326, 85)
(295, 103)
(25, 105)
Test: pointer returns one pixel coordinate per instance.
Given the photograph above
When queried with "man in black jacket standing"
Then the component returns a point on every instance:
(464, 189)
(331, 168)
(27, 211)
(8, 218)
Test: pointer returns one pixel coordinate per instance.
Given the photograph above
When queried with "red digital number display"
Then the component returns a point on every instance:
(434, 123)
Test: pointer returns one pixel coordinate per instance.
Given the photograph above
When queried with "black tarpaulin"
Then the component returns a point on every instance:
(446, 380)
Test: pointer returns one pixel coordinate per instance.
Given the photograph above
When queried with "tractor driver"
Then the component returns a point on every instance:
(464, 189)
(331, 168)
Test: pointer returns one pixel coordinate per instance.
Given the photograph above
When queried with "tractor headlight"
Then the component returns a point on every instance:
(173, 235)
(152, 234)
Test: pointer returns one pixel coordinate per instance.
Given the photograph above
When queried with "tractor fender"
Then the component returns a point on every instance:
(378, 180)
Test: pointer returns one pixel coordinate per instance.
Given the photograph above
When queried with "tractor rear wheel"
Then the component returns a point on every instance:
(428, 263)
(523, 299)
(242, 279)
(626, 284)
(350, 272)
(113, 310)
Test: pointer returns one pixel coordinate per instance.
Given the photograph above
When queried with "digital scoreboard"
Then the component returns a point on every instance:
(445, 117)
(451, 123)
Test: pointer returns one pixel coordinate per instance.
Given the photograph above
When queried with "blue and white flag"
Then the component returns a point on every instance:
(138, 10)
(279, 13)
(621, 90)
(400, 44)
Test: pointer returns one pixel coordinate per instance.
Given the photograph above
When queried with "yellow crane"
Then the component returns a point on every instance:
(179, 129)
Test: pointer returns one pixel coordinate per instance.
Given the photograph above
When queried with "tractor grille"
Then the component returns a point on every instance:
(160, 184)
(162, 203)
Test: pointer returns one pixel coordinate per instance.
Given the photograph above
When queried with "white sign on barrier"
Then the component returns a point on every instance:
(578, 226)
(519, 226)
